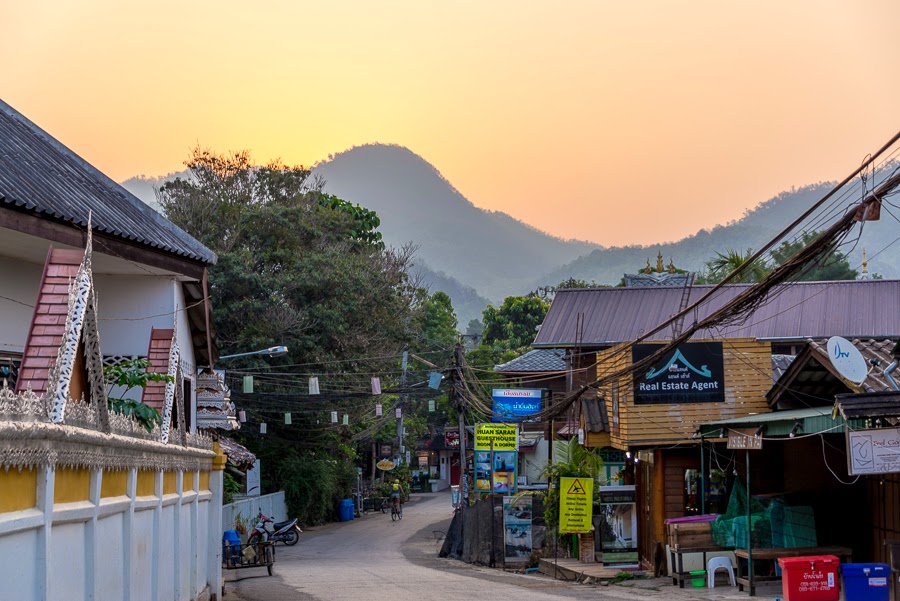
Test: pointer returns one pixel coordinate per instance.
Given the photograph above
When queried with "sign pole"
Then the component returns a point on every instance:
(491, 562)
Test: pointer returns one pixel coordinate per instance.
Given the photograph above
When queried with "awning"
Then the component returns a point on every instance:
(238, 455)
(528, 443)
(868, 406)
(812, 420)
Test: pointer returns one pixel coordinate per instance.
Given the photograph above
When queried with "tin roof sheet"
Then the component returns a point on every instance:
(799, 310)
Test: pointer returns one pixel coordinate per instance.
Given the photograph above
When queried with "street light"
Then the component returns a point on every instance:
(273, 351)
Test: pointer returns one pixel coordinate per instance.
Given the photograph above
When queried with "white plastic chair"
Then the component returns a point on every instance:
(716, 563)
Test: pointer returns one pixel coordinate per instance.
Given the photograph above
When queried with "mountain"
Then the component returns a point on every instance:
(754, 229)
(467, 303)
(487, 250)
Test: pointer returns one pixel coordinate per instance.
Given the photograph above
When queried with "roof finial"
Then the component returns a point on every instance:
(659, 263)
(671, 267)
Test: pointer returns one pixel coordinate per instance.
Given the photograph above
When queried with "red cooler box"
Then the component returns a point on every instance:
(813, 578)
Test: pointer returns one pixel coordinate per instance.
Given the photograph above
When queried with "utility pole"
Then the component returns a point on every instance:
(458, 401)
(401, 406)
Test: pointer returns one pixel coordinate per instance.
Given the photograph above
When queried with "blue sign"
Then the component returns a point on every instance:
(516, 404)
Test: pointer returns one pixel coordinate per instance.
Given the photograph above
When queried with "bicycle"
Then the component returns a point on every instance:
(396, 510)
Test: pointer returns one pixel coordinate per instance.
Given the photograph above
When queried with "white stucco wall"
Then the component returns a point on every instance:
(19, 281)
(114, 548)
(128, 306)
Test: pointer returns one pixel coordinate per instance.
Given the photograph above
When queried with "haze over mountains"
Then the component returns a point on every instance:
(480, 256)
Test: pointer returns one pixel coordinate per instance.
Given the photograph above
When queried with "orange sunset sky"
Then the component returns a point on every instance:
(615, 122)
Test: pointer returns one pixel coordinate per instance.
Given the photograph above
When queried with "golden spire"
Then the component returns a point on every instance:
(671, 265)
(659, 263)
(648, 269)
(865, 263)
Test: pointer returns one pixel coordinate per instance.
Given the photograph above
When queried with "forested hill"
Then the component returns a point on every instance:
(755, 228)
(489, 251)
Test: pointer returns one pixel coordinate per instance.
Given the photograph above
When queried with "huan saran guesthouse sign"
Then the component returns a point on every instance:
(691, 373)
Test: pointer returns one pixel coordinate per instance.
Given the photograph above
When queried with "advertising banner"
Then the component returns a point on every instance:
(618, 526)
(496, 472)
(517, 528)
(516, 404)
(576, 505)
(692, 373)
(505, 437)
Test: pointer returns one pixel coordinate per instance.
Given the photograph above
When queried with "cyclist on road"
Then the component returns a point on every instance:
(396, 491)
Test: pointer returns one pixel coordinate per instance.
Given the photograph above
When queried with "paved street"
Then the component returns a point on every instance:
(373, 558)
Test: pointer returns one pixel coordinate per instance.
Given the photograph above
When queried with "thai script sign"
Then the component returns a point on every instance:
(515, 404)
(576, 505)
(692, 373)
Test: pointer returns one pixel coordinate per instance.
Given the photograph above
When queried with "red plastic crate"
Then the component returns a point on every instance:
(811, 578)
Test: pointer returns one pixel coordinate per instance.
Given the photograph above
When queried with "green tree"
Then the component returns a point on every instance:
(309, 271)
(439, 321)
(834, 266)
(513, 324)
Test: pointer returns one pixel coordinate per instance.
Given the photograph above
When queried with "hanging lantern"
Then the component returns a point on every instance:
(314, 386)
(378, 410)
(287, 419)
(262, 428)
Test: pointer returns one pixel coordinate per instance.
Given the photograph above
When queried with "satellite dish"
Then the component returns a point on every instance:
(847, 359)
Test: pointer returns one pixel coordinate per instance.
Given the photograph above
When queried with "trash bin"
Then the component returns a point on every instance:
(866, 581)
(811, 578)
(345, 510)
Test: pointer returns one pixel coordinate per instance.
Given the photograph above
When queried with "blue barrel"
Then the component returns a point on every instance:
(866, 581)
(232, 539)
(346, 510)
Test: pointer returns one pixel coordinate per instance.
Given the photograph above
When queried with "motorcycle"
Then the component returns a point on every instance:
(267, 529)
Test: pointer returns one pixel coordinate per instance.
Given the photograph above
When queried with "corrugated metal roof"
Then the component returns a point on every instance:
(537, 360)
(853, 309)
(39, 175)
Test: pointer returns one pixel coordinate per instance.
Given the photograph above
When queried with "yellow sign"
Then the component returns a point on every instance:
(386, 465)
(505, 437)
(576, 504)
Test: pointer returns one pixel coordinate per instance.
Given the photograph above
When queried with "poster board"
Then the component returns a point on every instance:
(517, 513)
(496, 471)
(874, 451)
(618, 526)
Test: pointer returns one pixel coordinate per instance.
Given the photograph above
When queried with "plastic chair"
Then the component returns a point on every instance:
(716, 563)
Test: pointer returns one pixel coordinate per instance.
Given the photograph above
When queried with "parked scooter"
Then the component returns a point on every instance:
(267, 529)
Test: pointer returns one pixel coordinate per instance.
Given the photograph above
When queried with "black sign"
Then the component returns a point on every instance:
(692, 373)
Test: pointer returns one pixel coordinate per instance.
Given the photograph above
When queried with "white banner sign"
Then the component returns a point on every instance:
(873, 451)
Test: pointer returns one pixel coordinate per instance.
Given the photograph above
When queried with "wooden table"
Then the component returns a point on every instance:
(844, 553)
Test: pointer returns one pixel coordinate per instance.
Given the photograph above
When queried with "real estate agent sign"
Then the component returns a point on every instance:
(692, 373)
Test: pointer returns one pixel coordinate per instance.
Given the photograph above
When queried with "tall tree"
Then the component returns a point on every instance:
(307, 270)
(513, 324)
(834, 266)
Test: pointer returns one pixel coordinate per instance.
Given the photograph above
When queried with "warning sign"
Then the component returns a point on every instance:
(576, 488)
(576, 505)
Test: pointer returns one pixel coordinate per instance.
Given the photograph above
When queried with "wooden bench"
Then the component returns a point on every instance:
(844, 553)
(689, 537)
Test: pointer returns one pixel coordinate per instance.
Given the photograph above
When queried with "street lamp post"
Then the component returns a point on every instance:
(272, 351)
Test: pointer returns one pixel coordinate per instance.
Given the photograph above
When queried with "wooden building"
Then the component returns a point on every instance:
(656, 425)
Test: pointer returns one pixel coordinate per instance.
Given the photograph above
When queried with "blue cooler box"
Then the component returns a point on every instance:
(866, 581)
